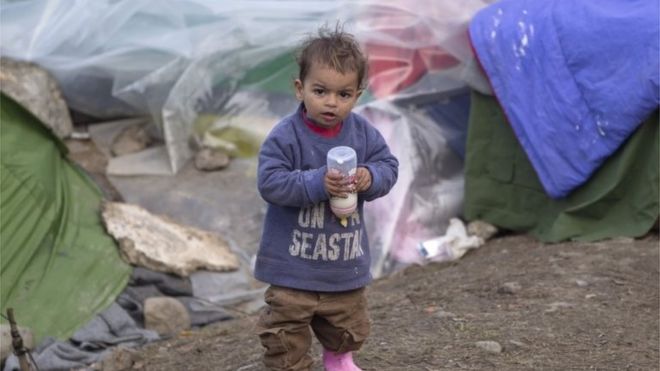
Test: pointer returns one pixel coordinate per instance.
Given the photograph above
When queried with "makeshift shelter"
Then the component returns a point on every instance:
(177, 62)
(58, 267)
(502, 188)
(573, 106)
(575, 79)
(202, 71)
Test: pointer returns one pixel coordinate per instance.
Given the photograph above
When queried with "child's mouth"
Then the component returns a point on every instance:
(327, 116)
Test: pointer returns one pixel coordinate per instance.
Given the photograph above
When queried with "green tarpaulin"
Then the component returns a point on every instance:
(501, 187)
(58, 266)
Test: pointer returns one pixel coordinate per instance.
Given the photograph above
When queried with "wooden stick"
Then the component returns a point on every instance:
(17, 342)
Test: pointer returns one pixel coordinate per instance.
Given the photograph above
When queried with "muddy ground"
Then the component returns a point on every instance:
(567, 306)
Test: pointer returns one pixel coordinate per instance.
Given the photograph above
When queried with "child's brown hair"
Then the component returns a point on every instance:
(336, 49)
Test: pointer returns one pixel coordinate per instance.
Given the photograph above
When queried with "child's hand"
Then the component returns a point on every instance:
(336, 185)
(362, 179)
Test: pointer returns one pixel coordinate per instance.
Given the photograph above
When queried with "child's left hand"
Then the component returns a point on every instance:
(362, 179)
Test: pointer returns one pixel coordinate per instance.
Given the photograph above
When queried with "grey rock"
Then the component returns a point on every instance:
(157, 243)
(489, 346)
(510, 288)
(554, 307)
(165, 315)
(131, 139)
(518, 344)
(209, 159)
(581, 283)
(36, 90)
(444, 314)
(120, 359)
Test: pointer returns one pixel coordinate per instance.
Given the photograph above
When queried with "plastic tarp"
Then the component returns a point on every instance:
(501, 187)
(182, 62)
(201, 69)
(429, 189)
(58, 267)
(428, 138)
(575, 78)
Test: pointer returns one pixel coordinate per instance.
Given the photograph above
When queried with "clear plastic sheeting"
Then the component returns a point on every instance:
(181, 61)
(429, 190)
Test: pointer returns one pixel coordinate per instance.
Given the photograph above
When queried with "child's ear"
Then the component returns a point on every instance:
(359, 92)
(299, 89)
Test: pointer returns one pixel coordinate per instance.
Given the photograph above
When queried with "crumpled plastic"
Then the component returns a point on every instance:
(429, 188)
(452, 245)
(177, 61)
(219, 74)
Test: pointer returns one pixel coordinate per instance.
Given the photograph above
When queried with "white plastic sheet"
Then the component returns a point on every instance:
(183, 63)
(177, 60)
(429, 190)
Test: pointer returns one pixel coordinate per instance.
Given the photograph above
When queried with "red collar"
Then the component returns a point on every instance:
(324, 132)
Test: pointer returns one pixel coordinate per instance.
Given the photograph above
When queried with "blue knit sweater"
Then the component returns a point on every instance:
(303, 245)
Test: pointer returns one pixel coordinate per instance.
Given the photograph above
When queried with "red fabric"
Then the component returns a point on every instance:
(393, 68)
(324, 132)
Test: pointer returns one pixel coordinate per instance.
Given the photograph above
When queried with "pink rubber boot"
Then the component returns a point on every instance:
(339, 361)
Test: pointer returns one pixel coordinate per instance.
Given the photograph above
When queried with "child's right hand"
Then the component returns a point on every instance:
(336, 185)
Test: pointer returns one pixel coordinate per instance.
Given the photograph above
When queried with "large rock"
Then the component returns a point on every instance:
(157, 243)
(36, 90)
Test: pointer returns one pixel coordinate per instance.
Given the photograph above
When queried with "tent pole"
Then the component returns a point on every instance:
(17, 342)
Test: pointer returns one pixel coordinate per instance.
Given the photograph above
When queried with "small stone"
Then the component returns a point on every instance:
(518, 344)
(509, 288)
(489, 346)
(581, 283)
(132, 139)
(165, 315)
(120, 358)
(557, 305)
(444, 314)
(209, 159)
(481, 229)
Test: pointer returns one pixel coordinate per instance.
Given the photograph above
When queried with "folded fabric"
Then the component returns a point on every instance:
(89, 344)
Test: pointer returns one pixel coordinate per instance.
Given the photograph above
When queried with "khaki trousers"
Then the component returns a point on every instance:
(338, 319)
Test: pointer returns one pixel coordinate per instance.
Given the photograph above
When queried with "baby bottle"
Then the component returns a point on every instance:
(343, 159)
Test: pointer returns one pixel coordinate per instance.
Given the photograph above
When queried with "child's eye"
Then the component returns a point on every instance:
(345, 95)
(318, 91)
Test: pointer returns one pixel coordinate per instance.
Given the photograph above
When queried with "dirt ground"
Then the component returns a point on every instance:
(566, 306)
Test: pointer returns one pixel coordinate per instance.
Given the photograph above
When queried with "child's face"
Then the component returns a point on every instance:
(328, 95)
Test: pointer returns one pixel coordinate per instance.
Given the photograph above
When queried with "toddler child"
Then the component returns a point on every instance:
(318, 268)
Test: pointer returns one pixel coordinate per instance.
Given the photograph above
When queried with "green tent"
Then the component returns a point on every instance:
(58, 266)
(501, 187)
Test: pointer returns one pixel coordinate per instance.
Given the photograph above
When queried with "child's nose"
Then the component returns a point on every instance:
(331, 100)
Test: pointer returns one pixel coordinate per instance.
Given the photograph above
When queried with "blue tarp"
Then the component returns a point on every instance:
(575, 78)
